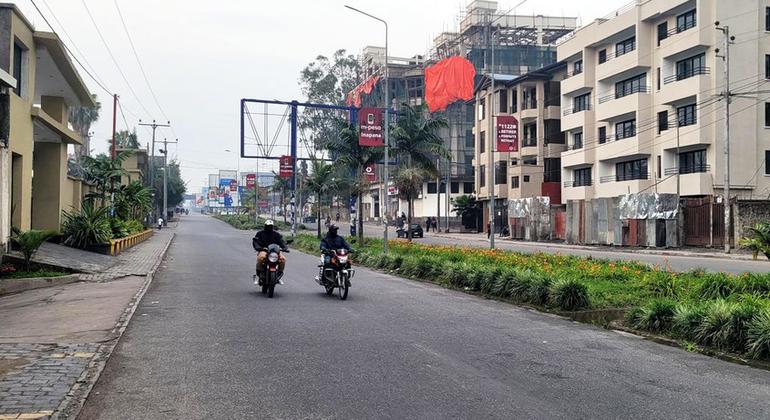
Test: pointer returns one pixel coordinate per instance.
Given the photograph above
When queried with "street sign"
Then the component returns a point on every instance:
(507, 133)
(286, 167)
(251, 181)
(392, 190)
(370, 172)
(370, 127)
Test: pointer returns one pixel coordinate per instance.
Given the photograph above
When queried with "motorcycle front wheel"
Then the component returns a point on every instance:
(271, 284)
(343, 286)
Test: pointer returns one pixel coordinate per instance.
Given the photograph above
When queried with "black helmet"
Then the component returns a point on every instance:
(334, 227)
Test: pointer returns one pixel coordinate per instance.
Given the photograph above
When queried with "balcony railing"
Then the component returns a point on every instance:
(689, 169)
(570, 111)
(530, 104)
(579, 183)
(529, 142)
(613, 54)
(627, 177)
(679, 29)
(624, 93)
(686, 75)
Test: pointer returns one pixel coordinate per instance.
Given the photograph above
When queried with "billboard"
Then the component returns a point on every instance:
(287, 167)
(251, 181)
(507, 133)
(370, 127)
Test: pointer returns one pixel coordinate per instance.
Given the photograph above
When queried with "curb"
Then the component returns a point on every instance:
(10, 286)
(70, 407)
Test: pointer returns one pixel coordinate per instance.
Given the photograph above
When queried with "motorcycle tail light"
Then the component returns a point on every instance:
(343, 259)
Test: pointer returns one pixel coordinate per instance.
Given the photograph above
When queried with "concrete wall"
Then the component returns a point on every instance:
(49, 185)
(749, 213)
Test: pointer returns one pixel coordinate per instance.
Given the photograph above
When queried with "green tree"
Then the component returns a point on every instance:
(464, 205)
(81, 118)
(321, 182)
(133, 201)
(176, 186)
(353, 158)
(281, 186)
(125, 139)
(417, 143)
(105, 173)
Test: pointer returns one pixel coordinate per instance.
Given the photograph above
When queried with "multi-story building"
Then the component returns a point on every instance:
(641, 108)
(534, 170)
(46, 86)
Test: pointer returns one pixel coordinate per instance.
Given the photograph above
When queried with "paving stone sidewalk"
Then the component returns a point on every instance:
(40, 379)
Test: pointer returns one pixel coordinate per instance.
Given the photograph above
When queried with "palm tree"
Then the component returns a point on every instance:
(355, 158)
(281, 185)
(105, 173)
(321, 182)
(417, 144)
(82, 118)
(133, 201)
(125, 139)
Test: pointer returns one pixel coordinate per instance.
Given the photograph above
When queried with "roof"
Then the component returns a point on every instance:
(486, 80)
(543, 73)
(56, 48)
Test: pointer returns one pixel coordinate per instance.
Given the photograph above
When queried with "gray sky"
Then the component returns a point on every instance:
(202, 56)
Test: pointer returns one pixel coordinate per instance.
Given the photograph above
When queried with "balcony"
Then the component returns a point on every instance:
(690, 169)
(684, 85)
(687, 39)
(580, 183)
(626, 177)
(624, 63)
(625, 146)
(576, 82)
(575, 119)
(621, 103)
(693, 184)
(570, 111)
(686, 75)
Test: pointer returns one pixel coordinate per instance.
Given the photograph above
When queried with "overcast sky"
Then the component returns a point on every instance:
(202, 56)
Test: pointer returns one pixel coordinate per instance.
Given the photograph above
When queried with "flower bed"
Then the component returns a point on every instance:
(719, 310)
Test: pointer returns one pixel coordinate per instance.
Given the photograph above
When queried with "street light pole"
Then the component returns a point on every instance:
(154, 126)
(387, 130)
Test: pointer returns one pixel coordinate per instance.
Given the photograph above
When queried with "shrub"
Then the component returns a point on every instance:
(521, 281)
(427, 267)
(29, 242)
(455, 273)
(757, 284)
(656, 315)
(662, 283)
(758, 239)
(758, 336)
(88, 227)
(491, 276)
(569, 295)
(687, 319)
(716, 328)
(539, 289)
(716, 286)
(409, 266)
(395, 262)
(740, 319)
(385, 261)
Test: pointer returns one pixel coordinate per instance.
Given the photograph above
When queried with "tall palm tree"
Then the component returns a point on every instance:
(354, 157)
(105, 173)
(133, 201)
(82, 117)
(321, 182)
(281, 185)
(417, 143)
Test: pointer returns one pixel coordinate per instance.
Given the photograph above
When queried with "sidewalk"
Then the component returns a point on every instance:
(55, 341)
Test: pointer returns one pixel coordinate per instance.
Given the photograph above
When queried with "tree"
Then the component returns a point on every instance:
(354, 158)
(81, 118)
(105, 173)
(281, 185)
(176, 186)
(321, 182)
(28, 243)
(464, 205)
(417, 143)
(133, 201)
(125, 140)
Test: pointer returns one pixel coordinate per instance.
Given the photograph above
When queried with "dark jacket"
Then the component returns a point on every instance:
(334, 242)
(265, 238)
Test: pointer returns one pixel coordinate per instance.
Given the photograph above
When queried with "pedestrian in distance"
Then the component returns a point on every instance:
(428, 223)
(489, 231)
(337, 217)
(435, 224)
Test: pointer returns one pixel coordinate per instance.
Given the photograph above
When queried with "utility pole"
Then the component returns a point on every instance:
(154, 126)
(114, 121)
(491, 150)
(726, 95)
(165, 177)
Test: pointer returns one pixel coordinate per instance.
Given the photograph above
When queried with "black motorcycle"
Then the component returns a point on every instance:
(270, 277)
(337, 273)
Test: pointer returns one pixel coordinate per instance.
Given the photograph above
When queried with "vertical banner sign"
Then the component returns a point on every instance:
(251, 181)
(233, 185)
(370, 172)
(370, 127)
(507, 133)
(286, 170)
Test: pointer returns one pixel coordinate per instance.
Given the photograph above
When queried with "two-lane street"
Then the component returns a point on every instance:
(205, 344)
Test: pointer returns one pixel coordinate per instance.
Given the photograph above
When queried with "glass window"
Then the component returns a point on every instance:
(501, 172)
(630, 86)
(662, 32)
(685, 21)
(690, 67)
(482, 175)
(482, 141)
(767, 114)
(657, 79)
(468, 187)
(634, 169)
(582, 177)
(767, 66)
(529, 160)
(552, 169)
(659, 166)
(455, 187)
(625, 47)
(686, 115)
(602, 56)
(692, 162)
(514, 182)
(18, 60)
(503, 101)
(581, 103)
(767, 162)
(662, 121)
(526, 178)
(602, 135)
(577, 140)
(432, 189)
(514, 102)
(767, 19)
(577, 67)
(625, 129)
(530, 135)
(469, 138)
(482, 110)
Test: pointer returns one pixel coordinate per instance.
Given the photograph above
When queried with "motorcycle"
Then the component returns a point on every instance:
(336, 274)
(269, 277)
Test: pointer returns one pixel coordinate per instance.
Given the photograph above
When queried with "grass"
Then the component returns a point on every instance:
(247, 222)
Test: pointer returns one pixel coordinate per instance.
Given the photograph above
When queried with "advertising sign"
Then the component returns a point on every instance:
(213, 193)
(233, 185)
(370, 127)
(251, 181)
(392, 190)
(370, 172)
(286, 168)
(507, 133)
(224, 183)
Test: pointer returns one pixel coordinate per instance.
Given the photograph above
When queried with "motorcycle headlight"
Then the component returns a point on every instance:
(343, 259)
(273, 257)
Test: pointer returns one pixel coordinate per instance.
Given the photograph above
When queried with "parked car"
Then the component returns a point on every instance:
(308, 219)
(416, 232)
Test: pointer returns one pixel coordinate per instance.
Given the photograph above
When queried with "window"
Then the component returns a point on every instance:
(502, 104)
(530, 99)
(693, 162)
(659, 165)
(577, 67)
(685, 21)
(514, 102)
(767, 66)
(581, 103)
(767, 114)
(602, 135)
(514, 182)
(625, 129)
(685, 115)
(767, 162)
(501, 172)
(582, 177)
(482, 141)
(630, 86)
(529, 160)
(526, 178)
(482, 175)
(482, 110)
(577, 140)
(657, 79)
(432, 189)
(690, 67)
(767, 19)
(18, 61)
(625, 47)
(602, 56)
(468, 187)
(662, 121)
(514, 162)
(552, 170)
(469, 138)
(662, 32)
(455, 187)
(634, 169)
(530, 135)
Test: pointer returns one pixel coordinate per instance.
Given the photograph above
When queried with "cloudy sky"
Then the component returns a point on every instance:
(201, 57)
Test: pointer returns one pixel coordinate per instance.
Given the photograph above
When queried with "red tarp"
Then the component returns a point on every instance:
(447, 81)
(366, 87)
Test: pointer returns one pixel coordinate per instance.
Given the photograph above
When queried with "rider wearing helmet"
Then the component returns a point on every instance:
(264, 238)
(332, 241)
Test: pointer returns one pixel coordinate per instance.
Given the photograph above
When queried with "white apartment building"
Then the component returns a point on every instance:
(640, 105)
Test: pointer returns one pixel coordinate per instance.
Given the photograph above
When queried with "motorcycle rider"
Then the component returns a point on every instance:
(264, 238)
(332, 241)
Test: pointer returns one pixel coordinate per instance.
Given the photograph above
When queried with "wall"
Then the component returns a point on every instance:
(49, 182)
(748, 213)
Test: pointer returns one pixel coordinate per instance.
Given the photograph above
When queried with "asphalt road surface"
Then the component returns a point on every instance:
(204, 344)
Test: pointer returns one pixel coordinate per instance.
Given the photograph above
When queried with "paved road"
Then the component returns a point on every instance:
(204, 344)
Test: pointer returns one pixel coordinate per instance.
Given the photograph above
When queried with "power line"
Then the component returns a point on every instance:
(114, 60)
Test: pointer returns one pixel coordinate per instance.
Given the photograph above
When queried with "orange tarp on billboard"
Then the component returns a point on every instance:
(366, 87)
(447, 81)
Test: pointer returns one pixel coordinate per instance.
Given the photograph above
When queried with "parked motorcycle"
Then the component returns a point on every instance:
(269, 277)
(337, 273)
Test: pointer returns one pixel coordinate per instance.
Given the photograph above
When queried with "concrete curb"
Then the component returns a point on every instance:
(72, 404)
(9, 286)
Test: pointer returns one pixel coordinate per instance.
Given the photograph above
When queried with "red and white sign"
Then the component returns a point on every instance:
(507, 133)
(370, 171)
(370, 127)
(251, 181)
(287, 167)
(392, 190)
